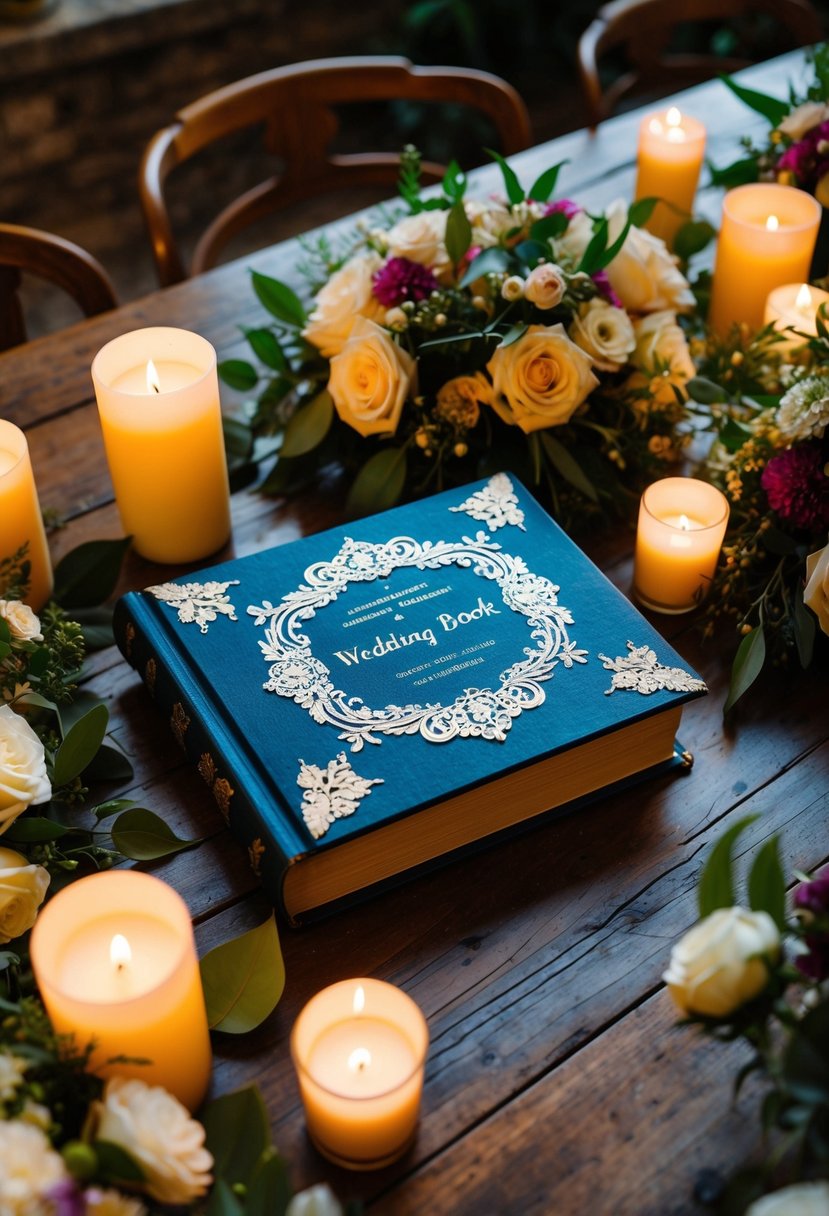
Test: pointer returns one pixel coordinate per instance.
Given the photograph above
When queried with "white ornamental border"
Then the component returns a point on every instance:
(479, 712)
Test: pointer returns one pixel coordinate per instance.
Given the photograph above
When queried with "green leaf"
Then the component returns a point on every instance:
(716, 883)
(569, 468)
(804, 629)
(748, 663)
(776, 541)
(514, 333)
(116, 1165)
(243, 979)
(692, 238)
(549, 227)
(239, 374)
(739, 173)
(641, 211)
(512, 186)
(35, 830)
(265, 346)
(109, 764)
(543, 186)
(806, 1057)
(222, 1201)
(80, 745)
(279, 299)
(458, 233)
(529, 253)
(142, 835)
(5, 631)
(269, 1191)
(88, 574)
(238, 437)
(454, 182)
(766, 884)
(309, 425)
(733, 434)
(112, 807)
(592, 257)
(237, 1133)
(96, 626)
(706, 392)
(379, 483)
(771, 108)
(489, 261)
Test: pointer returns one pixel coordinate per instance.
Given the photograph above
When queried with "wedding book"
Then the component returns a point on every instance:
(369, 700)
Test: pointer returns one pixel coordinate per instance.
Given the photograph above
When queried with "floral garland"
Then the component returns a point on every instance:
(515, 332)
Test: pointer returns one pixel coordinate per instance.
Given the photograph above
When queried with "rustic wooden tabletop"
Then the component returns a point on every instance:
(556, 1080)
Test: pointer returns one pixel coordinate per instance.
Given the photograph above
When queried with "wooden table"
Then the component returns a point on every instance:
(556, 1081)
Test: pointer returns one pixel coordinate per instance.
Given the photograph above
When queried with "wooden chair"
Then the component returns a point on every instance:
(641, 30)
(297, 105)
(59, 262)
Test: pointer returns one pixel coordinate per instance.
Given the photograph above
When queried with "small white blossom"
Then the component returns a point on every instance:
(29, 1168)
(513, 287)
(803, 412)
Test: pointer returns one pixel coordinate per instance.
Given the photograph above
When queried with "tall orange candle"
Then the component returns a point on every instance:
(671, 148)
(21, 522)
(115, 962)
(767, 238)
(158, 400)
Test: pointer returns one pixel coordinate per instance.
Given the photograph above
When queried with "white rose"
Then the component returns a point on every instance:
(545, 285)
(570, 246)
(346, 295)
(722, 962)
(369, 380)
(644, 274)
(112, 1203)
(12, 1069)
(540, 379)
(803, 118)
(490, 221)
(605, 333)
(803, 1199)
(661, 342)
(157, 1131)
(512, 288)
(22, 622)
(318, 1200)
(420, 238)
(816, 591)
(29, 1168)
(22, 890)
(23, 777)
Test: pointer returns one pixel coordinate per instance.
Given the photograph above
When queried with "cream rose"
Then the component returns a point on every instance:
(722, 962)
(23, 778)
(22, 890)
(420, 238)
(661, 343)
(490, 222)
(541, 379)
(112, 1203)
(816, 591)
(803, 118)
(29, 1168)
(156, 1130)
(318, 1200)
(644, 274)
(803, 1199)
(346, 295)
(23, 625)
(369, 380)
(570, 246)
(605, 333)
(459, 400)
(545, 286)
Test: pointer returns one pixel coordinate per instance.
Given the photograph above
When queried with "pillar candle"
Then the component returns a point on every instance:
(115, 962)
(359, 1049)
(678, 539)
(671, 148)
(793, 307)
(158, 400)
(21, 521)
(767, 236)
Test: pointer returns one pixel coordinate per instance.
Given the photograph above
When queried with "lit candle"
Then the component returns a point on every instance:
(678, 539)
(359, 1048)
(158, 400)
(115, 962)
(671, 148)
(792, 309)
(21, 522)
(767, 236)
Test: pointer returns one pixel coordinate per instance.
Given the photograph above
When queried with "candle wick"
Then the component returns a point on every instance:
(155, 388)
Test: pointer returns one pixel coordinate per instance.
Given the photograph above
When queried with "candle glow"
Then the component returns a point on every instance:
(120, 953)
(681, 527)
(792, 309)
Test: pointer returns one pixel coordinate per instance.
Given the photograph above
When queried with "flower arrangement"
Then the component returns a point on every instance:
(468, 335)
(759, 974)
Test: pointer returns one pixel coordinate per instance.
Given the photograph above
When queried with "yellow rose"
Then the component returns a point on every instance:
(346, 295)
(605, 333)
(816, 591)
(540, 379)
(369, 380)
(722, 962)
(23, 777)
(22, 890)
(458, 400)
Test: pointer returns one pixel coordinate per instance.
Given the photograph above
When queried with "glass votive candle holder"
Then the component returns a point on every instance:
(680, 532)
(359, 1049)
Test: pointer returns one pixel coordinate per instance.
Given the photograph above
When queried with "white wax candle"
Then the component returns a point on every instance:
(169, 376)
(681, 526)
(792, 308)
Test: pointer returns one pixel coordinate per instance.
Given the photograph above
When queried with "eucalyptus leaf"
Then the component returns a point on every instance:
(692, 238)
(116, 1165)
(804, 629)
(512, 185)
(114, 806)
(37, 701)
(766, 884)
(87, 575)
(269, 1190)
(489, 261)
(733, 434)
(739, 173)
(142, 835)
(641, 211)
(222, 1201)
(238, 374)
(531, 252)
(243, 979)
(96, 626)
(458, 236)
(35, 830)
(109, 764)
(379, 483)
(279, 299)
(80, 745)
(716, 883)
(591, 259)
(569, 468)
(309, 425)
(747, 665)
(549, 226)
(237, 1133)
(514, 333)
(705, 391)
(265, 345)
(238, 437)
(771, 108)
(543, 186)
(454, 182)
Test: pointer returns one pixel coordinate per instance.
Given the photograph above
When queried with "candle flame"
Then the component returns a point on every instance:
(153, 382)
(119, 952)
(359, 999)
(803, 300)
(673, 118)
(359, 1059)
(772, 223)
(655, 126)
(685, 523)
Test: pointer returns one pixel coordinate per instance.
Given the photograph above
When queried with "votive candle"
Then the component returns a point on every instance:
(792, 308)
(767, 238)
(359, 1049)
(158, 401)
(680, 532)
(21, 521)
(115, 962)
(669, 159)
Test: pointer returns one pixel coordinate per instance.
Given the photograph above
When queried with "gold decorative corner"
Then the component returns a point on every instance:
(688, 760)
(223, 792)
(129, 638)
(256, 852)
(179, 723)
(207, 768)
(150, 672)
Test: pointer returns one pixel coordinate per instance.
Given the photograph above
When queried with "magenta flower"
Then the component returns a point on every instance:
(797, 486)
(602, 282)
(67, 1198)
(565, 206)
(811, 899)
(401, 280)
(808, 159)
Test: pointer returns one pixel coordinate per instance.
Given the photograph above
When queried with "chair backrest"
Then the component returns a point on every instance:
(297, 105)
(641, 30)
(59, 262)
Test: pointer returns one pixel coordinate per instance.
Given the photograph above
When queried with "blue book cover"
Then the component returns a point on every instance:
(373, 697)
